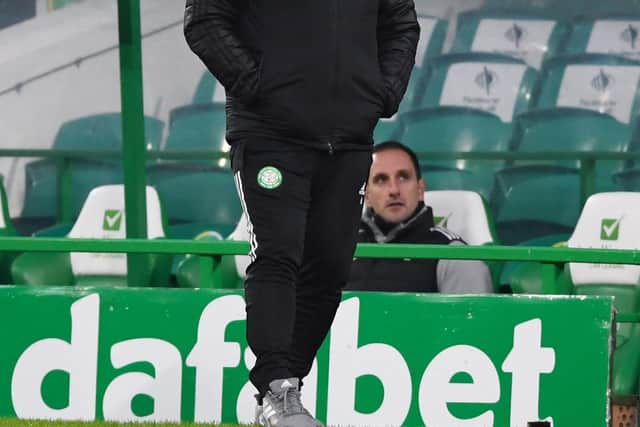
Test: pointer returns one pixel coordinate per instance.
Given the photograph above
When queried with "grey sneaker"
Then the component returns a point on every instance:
(281, 406)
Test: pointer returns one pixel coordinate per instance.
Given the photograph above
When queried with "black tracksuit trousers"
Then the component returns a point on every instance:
(303, 212)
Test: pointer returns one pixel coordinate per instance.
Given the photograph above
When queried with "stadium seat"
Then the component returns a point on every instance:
(466, 214)
(531, 37)
(102, 217)
(525, 194)
(432, 35)
(211, 201)
(386, 129)
(456, 129)
(91, 133)
(610, 220)
(199, 127)
(196, 201)
(553, 8)
(496, 83)
(532, 201)
(6, 230)
(469, 104)
(463, 212)
(228, 272)
(584, 103)
(604, 83)
(628, 179)
(433, 32)
(614, 35)
(523, 277)
(208, 90)
(567, 9)
(576, 130)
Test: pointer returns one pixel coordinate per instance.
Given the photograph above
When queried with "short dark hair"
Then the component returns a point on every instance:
(396, 145)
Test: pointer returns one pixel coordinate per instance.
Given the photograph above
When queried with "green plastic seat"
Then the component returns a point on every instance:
(6, 230)
(456, 129)
(579, 130)
(210, 200)
(198, 201)
(433, 32)
(208, 90)
(197, 127)
(610, 220)
(585, 103)
(526, 278)
(523, 277)
(199, 195)
(607, 34)
(386, 129)
(552, 8)
(525, 195)
(229, 271)
(530, 36)
(451, 178)
(97, 132)
(102, 217)
(628, 179)
(532, 201)
(567, 9)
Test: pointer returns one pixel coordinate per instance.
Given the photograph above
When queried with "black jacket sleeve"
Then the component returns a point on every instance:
(398, 34)
(212, 31)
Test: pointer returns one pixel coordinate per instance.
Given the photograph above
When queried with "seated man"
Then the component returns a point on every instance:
(396, 213)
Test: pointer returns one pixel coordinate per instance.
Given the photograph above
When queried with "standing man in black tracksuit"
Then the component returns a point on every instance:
(306, 82)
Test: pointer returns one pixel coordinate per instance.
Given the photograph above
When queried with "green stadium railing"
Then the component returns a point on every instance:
(552, 258)
(587, 162)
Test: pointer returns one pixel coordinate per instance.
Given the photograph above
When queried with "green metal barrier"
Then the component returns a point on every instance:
(552, 257)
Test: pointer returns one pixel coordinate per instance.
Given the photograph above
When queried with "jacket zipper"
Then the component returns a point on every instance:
(331, 149)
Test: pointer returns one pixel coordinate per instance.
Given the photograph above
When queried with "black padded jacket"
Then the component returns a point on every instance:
(315, 72)
(405, 275)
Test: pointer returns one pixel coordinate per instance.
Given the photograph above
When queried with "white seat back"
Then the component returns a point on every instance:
(462, 212)
(525, 39)
(616, 37)
(608, 221)
(608, 89)
(103, 217)
(486, 86)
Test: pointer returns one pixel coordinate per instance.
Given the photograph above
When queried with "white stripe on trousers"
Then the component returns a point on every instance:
(253, 242)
